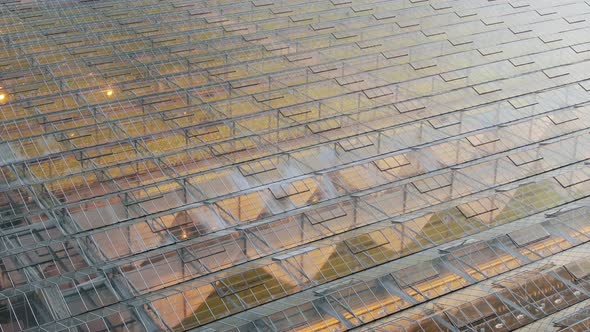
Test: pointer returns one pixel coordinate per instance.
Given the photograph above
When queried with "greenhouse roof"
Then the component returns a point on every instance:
(301, 165)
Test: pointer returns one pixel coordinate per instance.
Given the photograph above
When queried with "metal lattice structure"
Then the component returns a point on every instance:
(301, 165)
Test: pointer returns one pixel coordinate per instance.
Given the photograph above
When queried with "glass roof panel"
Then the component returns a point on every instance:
(318, 165)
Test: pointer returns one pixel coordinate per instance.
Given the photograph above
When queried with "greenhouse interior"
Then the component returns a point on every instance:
(294, 165)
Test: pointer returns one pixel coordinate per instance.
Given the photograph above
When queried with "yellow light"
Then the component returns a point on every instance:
(183, 235)
(2, 96)
(110, 92)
